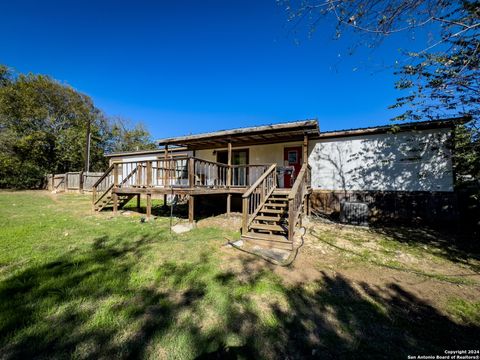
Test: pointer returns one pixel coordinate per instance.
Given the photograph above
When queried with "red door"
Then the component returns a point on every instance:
(292, 157)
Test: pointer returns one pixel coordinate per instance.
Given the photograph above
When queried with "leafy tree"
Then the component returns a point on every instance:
(125, 138)
(442, 79)
(43, 127)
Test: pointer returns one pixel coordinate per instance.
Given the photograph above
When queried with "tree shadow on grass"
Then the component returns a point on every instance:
(61, 309)
(448, 245)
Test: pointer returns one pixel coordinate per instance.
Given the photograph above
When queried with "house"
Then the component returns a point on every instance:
(277, 172)
(143, 155)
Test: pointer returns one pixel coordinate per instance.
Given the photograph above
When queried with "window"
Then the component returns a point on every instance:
(292, 157)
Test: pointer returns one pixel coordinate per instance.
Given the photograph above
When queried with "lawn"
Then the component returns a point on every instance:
(74, 284)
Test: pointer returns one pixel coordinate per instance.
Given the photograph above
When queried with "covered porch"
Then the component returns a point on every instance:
(253, 162)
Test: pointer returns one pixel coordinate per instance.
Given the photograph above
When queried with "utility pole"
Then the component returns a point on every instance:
(87, 148)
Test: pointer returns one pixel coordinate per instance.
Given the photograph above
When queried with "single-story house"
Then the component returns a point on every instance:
(283, 170)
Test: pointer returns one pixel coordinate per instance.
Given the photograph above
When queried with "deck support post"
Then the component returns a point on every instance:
(149, 206)
(244, 215)
(305, 149)
(229, 203)
(191, 206)
(138, 202)
(115, 203)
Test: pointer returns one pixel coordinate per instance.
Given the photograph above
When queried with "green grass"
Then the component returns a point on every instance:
(466, 311)
(78, 285)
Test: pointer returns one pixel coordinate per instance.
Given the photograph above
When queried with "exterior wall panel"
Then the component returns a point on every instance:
(405, 161)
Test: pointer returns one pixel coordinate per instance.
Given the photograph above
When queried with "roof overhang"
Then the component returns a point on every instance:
(265, 134)
(398, 127)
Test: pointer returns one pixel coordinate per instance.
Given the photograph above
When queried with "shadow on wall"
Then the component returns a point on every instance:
(413, 161)
(404, 176)
(57, 310)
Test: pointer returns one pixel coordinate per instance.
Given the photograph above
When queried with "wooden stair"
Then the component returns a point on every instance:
(269, 227)
(107, 201)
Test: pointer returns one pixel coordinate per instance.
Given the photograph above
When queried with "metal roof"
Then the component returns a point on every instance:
(397, 127)
(264, 134)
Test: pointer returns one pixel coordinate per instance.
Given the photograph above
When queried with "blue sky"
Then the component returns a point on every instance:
(193, 66)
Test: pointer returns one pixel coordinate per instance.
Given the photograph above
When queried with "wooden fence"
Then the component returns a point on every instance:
(72, 181)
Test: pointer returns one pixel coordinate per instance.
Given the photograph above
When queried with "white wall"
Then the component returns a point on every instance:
(406, 161)
(258, 154)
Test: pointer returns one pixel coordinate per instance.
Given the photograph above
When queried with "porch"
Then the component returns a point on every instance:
(270, 211)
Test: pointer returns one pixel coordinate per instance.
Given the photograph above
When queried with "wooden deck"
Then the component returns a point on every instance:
(268, 212)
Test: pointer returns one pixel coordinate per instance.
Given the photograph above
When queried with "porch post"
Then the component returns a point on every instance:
(191, 173)
(305, 149)
(229, 163)
(229, 176)
(166, 167)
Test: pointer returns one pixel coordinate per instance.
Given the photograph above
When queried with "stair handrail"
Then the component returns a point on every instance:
(109, 187)
(105, 174)
(296, 197)
(95, 191)
(257, 194)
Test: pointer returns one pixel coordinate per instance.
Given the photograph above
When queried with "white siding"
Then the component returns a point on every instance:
(406, 161)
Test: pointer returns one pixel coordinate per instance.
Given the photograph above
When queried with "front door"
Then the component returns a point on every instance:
(292, 157)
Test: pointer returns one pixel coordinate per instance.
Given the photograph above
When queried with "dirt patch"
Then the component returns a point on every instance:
(232, 223)
(361, 258)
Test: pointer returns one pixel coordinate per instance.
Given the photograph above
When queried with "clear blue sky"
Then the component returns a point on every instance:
(192, 66)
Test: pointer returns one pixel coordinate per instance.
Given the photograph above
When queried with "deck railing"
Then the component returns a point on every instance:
(210, 174)
(296, 198)
(256, 196)
(177, 172)
(246, 175)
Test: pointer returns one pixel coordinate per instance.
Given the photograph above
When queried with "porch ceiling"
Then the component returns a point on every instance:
(267, 134)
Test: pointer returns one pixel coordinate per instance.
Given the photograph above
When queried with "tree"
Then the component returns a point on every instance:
(43, 126)
(442, 79)
(126, 138)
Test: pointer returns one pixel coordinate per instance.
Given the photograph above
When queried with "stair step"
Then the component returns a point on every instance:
(272, 211)
(267, 218)
(267, 227)
(272, 237)
(279, 196)
(268, 240)
(281, 192)
(272, 204)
